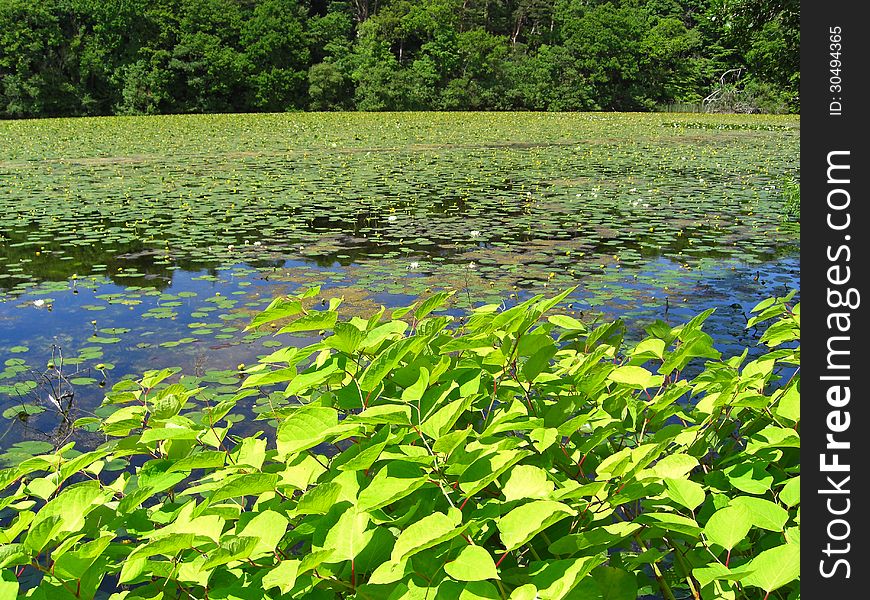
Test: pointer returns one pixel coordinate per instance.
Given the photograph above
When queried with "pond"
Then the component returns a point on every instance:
(134, 243)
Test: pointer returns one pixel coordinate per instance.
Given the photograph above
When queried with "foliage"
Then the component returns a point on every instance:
(83, 57)
(512, 454)
(791, 189)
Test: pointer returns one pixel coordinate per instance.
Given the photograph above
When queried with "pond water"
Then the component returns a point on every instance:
(129, 244)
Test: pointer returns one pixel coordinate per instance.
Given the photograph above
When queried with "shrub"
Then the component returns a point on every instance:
(510, 455)
(791, 190)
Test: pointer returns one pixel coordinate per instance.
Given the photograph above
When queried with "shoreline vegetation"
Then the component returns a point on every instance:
(513, 453)
(90, 58)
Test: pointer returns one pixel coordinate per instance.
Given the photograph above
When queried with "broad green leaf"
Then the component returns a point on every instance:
(306, 381)
(750, 477)
(566, 322)
(524, 592)
(319, 499)
(524, 522)
(728, 526)
(168, 545)
(72, 505)
(615, 583)
(168, 433)
(313, 321)
(789, 404)
(615, 464)
(389, 572)
(268, 527)
(382, 332)
(636, 377)
(431, 303)
(527, 481)
(448, 442)
(773, 436)
(132, 568)
(774, 568)
(21, 522)
(544, 437)
(8, 589)
(487, 469)
(304, 428)
(415, 391)
(232, 548)
(385, 413)
(42, 532)
(359, 457)
(605, 536)
(250, 484)
(711, 572)
(283, 576)
(392, 482)
(429, 531)
(790, 494)
(269, 377)
(556, 578)
(383, 363)
(670, 522)
(471, 590)
(443, 420)
(685, 492)
(152, 378)
(675, 466)
(764, 513)
(349, 535)
(654, 346)
(474, 563)
(210, 526)
(14, 554)
(538, 361)
(346, 338)
(280, 308)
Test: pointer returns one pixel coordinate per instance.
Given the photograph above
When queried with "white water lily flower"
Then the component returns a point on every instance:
(471, 265)
(392, 218)
(258, 243)
(39, 303)
(414, 265)
(474, 233)
(230, 247)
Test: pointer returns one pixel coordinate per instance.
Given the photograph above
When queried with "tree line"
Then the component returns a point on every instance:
(101, 57)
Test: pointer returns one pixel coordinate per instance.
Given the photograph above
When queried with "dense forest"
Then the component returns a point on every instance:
(100, 57)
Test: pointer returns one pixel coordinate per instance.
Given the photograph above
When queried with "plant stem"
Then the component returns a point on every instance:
(663, 585)
(687, 573)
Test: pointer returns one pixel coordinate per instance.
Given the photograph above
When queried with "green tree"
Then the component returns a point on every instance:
(208, 61)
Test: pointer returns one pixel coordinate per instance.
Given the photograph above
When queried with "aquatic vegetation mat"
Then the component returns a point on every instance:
(133, 242)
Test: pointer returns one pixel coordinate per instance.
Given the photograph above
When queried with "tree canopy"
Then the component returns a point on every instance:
(95, 57)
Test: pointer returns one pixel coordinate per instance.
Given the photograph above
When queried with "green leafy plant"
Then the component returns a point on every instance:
(512, 454)
(791, 190)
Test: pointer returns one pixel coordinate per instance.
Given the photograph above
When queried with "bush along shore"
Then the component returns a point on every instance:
(510, 454)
